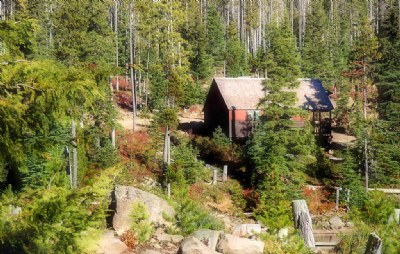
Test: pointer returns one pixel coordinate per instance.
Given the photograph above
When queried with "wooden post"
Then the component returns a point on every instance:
(215, 174)
(225, 174)
(167, 148)
(395, 217)
(348, 196)
(169, 190)
(374, 244)
(302, 221)
(337, 197)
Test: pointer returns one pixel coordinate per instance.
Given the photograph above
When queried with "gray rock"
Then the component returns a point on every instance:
(126, 196)
(109, 244)
(244, 230)
(169, 238)
(336, 222)
(230, 244)
(208, 237)
(192, 245)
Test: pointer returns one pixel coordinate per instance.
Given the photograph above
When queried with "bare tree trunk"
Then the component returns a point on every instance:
(374, 244)
(74, 170)
(365, 98)
(291, 16)
(113, 128)
(116, 39)
(131, 67)
(302, 221)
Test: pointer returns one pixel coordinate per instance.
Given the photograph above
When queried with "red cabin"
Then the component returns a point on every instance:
(233, 104)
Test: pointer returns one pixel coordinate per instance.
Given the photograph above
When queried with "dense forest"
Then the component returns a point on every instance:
(60, 153)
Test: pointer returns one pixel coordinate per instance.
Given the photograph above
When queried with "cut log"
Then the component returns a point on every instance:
(302, 221)
(374, 245)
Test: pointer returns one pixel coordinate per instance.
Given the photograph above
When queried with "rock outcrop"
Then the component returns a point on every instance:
(208, 237)
(109, 244)
(230, 244)
(126, 196)
(192, 245)
(336, 223)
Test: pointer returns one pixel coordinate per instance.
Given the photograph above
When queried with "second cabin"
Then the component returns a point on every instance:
(233, 104)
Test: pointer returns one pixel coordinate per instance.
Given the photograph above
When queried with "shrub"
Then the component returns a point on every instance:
(189, 217)
(141, 227)
(377, 208)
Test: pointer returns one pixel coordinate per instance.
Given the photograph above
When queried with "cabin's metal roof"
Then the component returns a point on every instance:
(246, 93)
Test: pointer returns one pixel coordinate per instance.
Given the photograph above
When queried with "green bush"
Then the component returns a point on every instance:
(140, 226)
(377, 208)
(185, 168)
(190, 217)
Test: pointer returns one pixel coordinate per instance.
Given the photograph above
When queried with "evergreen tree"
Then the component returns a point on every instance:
(316, 61)
(215, 36)
(386, 134)
(282, 59)
(235, 56)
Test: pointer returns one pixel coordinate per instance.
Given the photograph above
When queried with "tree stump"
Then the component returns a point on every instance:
(374, 245)
(302, 221)
(225, 174)
(215, 176)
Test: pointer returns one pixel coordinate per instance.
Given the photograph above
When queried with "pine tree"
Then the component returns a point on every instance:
(282, 58)
(235, 55)
(316, 62)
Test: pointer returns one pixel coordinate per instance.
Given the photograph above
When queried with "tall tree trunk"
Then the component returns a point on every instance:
(116, 39)
(74, 170)
(131, 66)
(291, 16)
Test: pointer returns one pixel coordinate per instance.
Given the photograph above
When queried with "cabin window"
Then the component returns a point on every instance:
(253, 115)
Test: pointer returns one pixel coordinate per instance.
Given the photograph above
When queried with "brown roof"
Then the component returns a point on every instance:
(246, 93)
(241, 93)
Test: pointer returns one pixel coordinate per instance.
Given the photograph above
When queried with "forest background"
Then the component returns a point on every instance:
(57, 56)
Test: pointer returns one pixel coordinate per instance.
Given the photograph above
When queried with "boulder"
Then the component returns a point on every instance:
(208, 237)
(244, 230)
(230, 244)
(109, 244)
(169, 238)
(336, 223)
(192, 245)
(126, 196)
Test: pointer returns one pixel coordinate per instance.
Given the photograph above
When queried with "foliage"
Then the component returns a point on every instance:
(190, 217)
(351, 180)
(356, 242)
(377, 208)
(53, 218)
(293, 244)
(140, 226)
(185, 168)
(218, 148)
(166, 117)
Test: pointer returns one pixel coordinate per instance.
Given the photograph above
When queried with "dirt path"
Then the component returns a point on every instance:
(342, 138)
(125, 120)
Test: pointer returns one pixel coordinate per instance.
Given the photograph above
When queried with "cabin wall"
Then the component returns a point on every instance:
(215, 112)
(243, 123)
